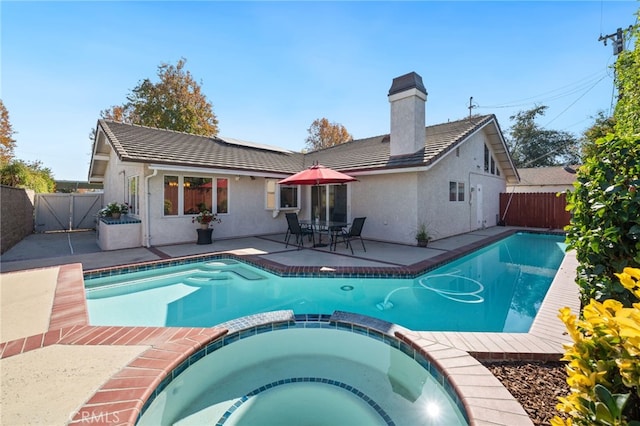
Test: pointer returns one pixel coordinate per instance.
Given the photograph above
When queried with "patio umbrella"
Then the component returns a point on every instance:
(317, 175)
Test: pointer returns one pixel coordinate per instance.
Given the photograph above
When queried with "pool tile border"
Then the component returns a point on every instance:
(409, 271)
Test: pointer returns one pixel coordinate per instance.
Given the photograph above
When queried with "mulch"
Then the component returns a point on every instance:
(536, 385)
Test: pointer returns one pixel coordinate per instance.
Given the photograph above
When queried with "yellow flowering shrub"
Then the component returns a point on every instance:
(604, 361)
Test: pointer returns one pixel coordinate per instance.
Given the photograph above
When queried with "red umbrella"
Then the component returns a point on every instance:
(317, 175)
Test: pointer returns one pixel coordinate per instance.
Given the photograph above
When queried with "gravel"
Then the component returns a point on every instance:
(536, 385)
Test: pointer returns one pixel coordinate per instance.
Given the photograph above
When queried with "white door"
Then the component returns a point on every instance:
(479, 212)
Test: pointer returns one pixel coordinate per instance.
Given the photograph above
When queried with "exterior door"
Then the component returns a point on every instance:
(329, 202)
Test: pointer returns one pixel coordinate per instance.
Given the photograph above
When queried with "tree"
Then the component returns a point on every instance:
(532, 146)
(176, 102)
(323, 134)
(7, 143)
(32, 175)
(601, 127)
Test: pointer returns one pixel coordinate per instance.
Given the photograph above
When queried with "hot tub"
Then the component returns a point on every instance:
(300, 373)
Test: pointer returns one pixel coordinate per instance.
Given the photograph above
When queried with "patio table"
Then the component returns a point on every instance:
(332, 228)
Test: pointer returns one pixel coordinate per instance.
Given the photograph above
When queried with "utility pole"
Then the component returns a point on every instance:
(617, 38)
(471, 105)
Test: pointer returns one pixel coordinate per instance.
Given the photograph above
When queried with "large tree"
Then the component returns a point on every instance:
(175, 102)
(7, 143)
(533, 146)
(323, 134)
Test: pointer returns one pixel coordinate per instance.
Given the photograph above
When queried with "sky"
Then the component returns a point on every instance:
(270, 69)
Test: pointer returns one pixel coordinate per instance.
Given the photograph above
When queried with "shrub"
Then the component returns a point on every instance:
(604, 361)
(605, 225)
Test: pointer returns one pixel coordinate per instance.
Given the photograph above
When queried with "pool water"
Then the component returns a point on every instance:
(306, 376)
(498, 288)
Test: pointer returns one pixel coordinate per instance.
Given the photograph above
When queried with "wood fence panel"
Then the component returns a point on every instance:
(534, 209)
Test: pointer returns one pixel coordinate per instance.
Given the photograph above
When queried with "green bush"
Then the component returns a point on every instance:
(605, 223)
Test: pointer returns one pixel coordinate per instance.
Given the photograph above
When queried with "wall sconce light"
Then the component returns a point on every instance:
(173, 184)
(187, 184)
(237, 178)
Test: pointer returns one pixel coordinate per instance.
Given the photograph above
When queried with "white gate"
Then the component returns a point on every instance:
(66, 212)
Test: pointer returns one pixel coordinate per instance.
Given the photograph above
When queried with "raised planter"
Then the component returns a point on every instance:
(121, 233)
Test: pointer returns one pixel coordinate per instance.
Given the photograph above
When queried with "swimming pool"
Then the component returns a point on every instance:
(325, 373)
(498, 288)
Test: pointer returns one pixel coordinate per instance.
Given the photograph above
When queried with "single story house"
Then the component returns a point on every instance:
(544, 179)
(447, 176)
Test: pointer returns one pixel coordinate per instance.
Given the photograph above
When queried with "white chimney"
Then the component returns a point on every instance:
(408, 98)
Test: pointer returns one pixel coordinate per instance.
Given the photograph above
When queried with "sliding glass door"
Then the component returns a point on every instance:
(329, 202)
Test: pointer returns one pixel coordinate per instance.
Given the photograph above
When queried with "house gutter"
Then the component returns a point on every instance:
(147, 227)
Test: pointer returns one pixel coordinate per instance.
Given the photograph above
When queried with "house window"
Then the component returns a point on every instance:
(198, 194)
(288, 196)
(490, 162)
(171, 195)
(486, 158)
(222, 193)
(133, 198)
(281, 196)
(456, 191)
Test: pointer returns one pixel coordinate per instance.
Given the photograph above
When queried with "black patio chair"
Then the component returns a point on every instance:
(294, 228)
(354, 232)
(336, 231)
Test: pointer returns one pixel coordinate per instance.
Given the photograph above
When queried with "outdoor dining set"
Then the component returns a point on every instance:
(334, 228)
(315, 229)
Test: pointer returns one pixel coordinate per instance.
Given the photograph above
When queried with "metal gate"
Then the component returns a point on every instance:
(66, 212)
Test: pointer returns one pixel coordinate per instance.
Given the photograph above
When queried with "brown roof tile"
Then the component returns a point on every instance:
(144, 144)
(546, 176)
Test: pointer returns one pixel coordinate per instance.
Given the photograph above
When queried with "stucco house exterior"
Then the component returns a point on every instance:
(448, 176)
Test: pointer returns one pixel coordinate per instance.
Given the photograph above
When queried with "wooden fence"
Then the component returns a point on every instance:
(534, 209)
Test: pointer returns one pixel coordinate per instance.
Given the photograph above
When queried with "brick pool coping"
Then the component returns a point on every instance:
(455, 353)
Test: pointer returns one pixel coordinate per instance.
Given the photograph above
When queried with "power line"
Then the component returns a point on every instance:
(574, 102)
(573, 88)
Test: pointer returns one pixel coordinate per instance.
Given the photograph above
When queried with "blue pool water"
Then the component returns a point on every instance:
(498, 288)
(307, 376)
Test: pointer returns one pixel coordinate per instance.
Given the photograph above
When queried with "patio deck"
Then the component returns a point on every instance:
(45, 324)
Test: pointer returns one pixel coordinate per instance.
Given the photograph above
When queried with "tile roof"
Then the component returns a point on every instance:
(142, 144)
(374, 153)
(546, 176)
(149, 145)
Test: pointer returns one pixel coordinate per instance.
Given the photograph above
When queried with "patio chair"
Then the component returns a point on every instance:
(354, 232)
(294, 228)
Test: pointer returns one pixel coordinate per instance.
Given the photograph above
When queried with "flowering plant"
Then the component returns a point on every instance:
(603, 364)
(205, 217)
(114, 207)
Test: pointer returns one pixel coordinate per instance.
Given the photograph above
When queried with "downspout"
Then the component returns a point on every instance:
(147, 227)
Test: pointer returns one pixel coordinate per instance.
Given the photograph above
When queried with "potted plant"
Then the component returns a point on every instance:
(422, 235)
(205, 218)
(114, 210)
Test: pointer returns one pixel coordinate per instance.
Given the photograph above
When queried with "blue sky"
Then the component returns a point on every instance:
(271, 68)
